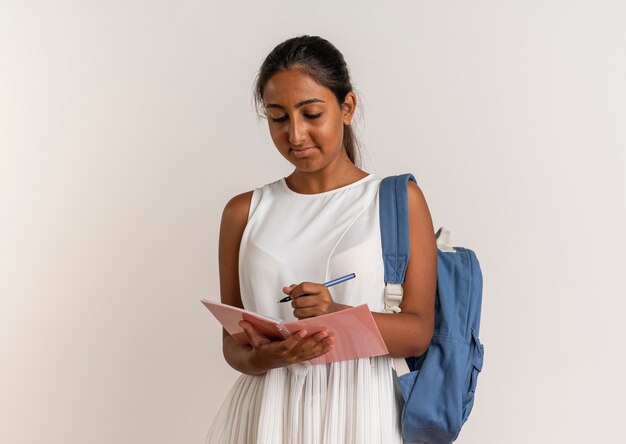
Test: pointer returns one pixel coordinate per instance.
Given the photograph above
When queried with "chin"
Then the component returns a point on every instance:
(306, 167)
(307, 164)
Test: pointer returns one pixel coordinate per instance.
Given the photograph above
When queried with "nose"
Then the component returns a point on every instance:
(297, 131)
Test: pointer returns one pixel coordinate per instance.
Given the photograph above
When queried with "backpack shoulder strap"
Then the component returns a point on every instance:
(394, 234)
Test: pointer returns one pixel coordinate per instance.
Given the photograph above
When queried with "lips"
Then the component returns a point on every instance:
(303, 152)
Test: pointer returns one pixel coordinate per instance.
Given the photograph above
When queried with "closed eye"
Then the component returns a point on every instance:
(308, 116)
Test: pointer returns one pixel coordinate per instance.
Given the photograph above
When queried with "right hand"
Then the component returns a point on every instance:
(268, 354)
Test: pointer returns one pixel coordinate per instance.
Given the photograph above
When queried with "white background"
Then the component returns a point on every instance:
(125, 126)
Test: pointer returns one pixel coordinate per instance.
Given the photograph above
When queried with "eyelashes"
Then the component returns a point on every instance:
(307, 116)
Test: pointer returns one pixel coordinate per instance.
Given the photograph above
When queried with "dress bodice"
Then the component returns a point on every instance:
(292, 238)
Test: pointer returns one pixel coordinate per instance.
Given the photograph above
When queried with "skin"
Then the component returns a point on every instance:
(306, 125)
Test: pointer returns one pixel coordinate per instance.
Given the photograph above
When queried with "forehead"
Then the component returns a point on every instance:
(293, 86)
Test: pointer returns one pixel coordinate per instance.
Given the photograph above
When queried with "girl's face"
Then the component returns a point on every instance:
(305, 120)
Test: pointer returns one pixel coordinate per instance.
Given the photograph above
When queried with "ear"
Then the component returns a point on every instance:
(348, 107)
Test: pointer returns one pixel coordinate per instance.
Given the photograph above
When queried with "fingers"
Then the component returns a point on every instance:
(285, 346)
(309, 312)
(308, 288)
(287, 290)
(297, 348)
(317, 302)
(310, 300)
(293, 340)
(320, 341)
(314, 346)
(307, 306)
(254, 337)
(309, 294)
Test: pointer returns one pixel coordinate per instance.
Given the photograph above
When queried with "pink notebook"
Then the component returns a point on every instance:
(355, 331)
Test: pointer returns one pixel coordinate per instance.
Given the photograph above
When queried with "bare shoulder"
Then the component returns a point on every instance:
(420, 220)
(415, 192)
(236, 211)
(234, 221)
(421, 275)
(416, 198)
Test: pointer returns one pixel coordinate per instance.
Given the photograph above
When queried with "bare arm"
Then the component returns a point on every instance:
(409, 332)
(234, 219)
(262, 354)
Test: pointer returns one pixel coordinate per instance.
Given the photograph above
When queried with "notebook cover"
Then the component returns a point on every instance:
(355, 331)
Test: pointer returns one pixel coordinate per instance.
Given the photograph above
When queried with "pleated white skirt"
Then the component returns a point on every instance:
(348, 402)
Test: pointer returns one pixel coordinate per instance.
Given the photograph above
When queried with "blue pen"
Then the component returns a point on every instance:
(339, 280)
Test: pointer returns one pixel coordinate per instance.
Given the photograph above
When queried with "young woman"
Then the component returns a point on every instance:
(289, 236)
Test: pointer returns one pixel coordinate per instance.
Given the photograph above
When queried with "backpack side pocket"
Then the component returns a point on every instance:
(477, 352)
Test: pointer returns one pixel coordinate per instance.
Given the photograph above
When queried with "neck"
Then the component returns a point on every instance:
(326, 179)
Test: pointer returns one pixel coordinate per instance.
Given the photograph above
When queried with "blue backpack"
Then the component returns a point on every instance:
(439, 388)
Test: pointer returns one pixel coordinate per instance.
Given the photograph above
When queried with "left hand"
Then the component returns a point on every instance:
(310, 299)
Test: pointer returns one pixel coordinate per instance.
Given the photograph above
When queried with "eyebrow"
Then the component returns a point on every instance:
(298, 105)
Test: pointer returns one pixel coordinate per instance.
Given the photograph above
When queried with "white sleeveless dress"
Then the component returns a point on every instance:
(291, 238)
